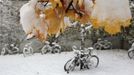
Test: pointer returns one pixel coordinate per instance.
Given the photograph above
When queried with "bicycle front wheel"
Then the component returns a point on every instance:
(97, 46)
(69, 66)
(131, 54)
(27, 52)
(3, 52)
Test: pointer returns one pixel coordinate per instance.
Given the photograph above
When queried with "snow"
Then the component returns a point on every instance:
(112, 62)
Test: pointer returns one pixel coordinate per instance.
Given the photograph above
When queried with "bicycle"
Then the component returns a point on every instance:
(102, 44)
(46, 48)
(51, 48)
(10, 49)
(83, 59)
(27, 50)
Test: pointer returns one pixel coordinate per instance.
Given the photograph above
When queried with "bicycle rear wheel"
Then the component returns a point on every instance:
(93, 61)
(57, 50)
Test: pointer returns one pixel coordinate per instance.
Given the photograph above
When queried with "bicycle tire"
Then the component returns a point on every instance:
(91, 62)
(27, 52)
(96, 46)
(69, 68)
(108, 45)
(3, 52)
(45, 50)
(57, 50)
(131, 54)
(24, 52)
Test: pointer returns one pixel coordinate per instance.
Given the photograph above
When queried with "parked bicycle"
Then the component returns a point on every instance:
(82, 59)
(131, 52)
(27, 50)
(102, 44)
(51, 48)
(9, 49)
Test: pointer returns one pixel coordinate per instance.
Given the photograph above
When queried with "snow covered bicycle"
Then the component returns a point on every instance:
(131, 52)
(27, 50)
(51, 48)
(9, 49)
(82, 59)
(102, 44)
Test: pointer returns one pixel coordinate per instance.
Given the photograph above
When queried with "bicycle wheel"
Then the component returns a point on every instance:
(45, 49)
(93, 61)
(3, 52)
(57, 50)
(108, 45)
(27, 52)
(97, 46)
(69, 66)
(131, 54)
(15, 50)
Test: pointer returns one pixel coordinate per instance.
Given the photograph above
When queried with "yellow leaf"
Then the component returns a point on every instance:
(55, 23)
(112, 29)
(111, 17)
(71, 14)
(55, 3)
(80, 3)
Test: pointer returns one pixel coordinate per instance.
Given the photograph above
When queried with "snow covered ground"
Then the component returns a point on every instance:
(112, 62)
